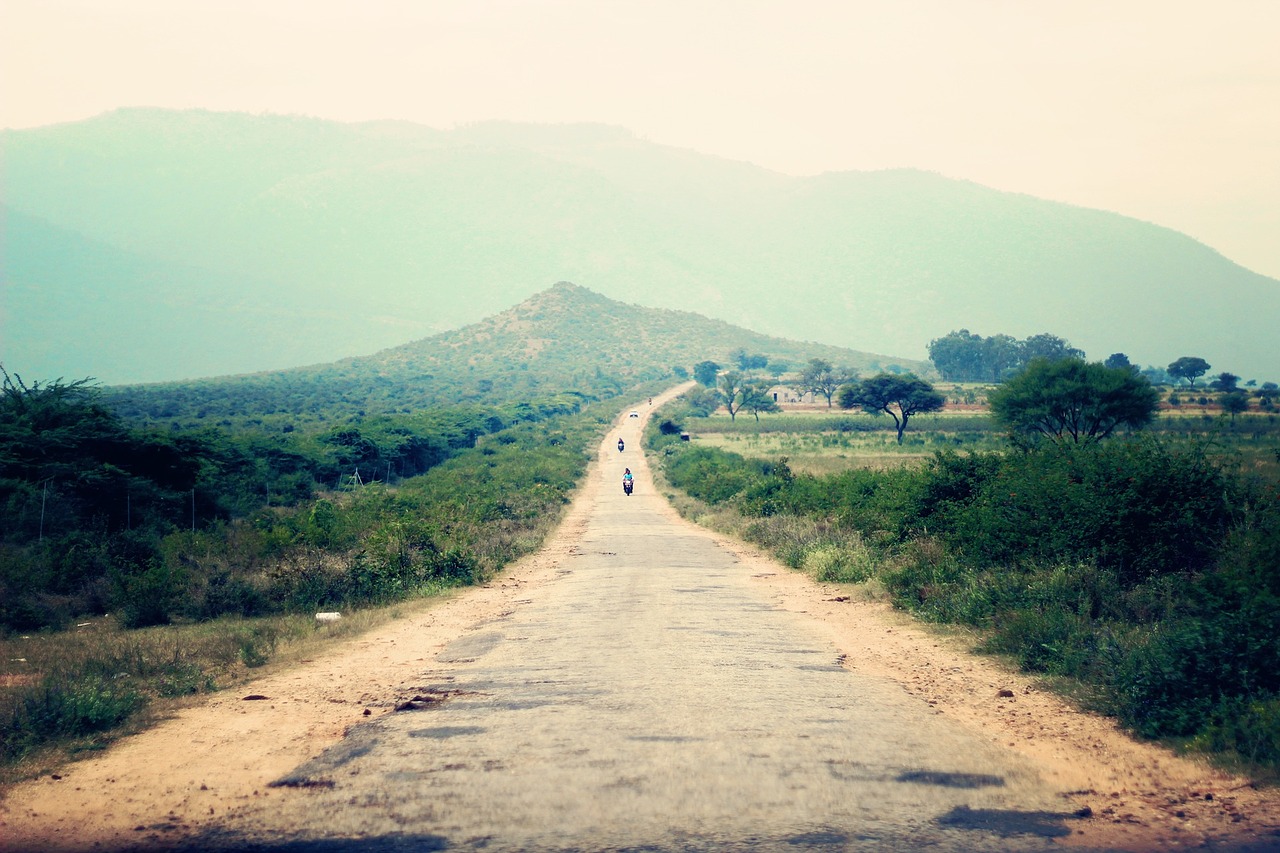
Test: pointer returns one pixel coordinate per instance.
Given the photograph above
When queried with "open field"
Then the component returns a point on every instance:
(817, 440)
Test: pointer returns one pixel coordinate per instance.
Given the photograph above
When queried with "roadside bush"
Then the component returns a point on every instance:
(1139, 508)
(711, 475)
(1248, 730)
(64, 707)
(148, 594)
(835, 564)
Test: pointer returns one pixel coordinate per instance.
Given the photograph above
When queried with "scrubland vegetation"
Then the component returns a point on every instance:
(1140, 574)
(227, 537)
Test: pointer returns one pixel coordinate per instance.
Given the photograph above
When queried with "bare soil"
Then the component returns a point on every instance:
(214, 761)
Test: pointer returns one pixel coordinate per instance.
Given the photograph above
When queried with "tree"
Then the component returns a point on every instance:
(999, 354)
(705, 372)
(756, 399)
(702, 401)
(1049, 347)
(959, 356)
(731, 392)
(747, 361)
(1225, 382)
(819, 377)
(1117, 359)
(1234, 403)
(900, 397)
(1156, 375)
(1190, 368)
(1267, 395)
(1071, 401)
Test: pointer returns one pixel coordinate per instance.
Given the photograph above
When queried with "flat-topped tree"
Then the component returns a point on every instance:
(1190, 368)
(899, 396)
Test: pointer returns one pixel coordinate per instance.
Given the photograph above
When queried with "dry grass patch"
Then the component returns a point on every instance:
(63, 694)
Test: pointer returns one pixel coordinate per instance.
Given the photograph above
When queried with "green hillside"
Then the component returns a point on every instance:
(564, 340)
(207, 242)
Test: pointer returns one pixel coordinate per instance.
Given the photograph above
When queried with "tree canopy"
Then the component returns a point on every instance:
(756, 399)
(1225, 382)
(732, 392)
(705, 372)
(1190, 368)
(899, 396)
(965, 357)
(820, 377)
(1071, 401)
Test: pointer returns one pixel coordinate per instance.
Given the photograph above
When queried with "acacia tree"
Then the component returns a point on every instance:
(756, 399)
(749, 361)
(1071, 401)
(820, 377)
(1234, 403)
(732, 392)
(1119, 359)
(1190, 368)
(900, 397)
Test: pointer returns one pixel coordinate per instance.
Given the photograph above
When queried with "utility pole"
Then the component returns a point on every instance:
(44, 498)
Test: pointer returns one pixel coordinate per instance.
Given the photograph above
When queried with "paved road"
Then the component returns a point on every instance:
(649, 698)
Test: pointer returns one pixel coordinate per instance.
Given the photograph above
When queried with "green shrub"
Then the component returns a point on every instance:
(63, 707)
(833, 564)
(1249, 730)
(1139, 508)
(711, 475)
(147, 595)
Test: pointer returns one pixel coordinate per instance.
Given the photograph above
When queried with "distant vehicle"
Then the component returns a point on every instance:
(634, 415)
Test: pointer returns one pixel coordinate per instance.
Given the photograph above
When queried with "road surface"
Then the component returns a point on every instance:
(652, 697)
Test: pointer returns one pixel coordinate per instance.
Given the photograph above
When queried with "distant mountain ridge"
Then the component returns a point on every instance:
(564, 340)
(153, 244)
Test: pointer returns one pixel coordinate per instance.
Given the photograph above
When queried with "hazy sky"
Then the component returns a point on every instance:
(1166, 110)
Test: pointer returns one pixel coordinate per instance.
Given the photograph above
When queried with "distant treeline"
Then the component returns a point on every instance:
(153, 525)
(962, 356)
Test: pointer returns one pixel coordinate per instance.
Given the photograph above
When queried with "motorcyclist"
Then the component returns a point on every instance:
(620, 445)
(627, 481)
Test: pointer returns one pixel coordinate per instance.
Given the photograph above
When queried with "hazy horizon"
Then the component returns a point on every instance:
(1161, 111)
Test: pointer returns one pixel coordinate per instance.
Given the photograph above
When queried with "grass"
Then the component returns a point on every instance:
(67, 693)
(819, 441)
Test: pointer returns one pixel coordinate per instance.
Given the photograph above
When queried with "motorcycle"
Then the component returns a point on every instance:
(620, 445)
(627, 486)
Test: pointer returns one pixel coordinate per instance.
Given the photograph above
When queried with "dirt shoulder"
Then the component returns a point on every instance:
(155, 788)
(1136, 796)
